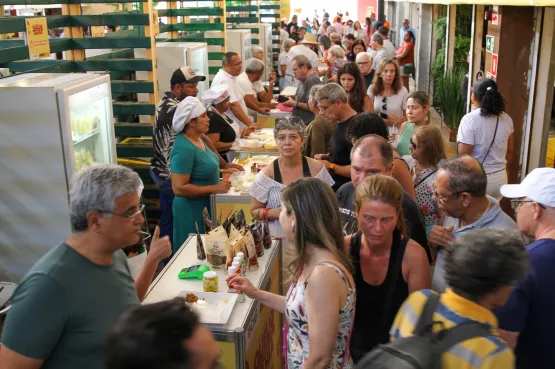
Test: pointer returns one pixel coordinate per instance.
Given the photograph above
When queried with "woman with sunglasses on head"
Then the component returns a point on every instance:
(487, 134)
(289, 166)
(322, 295)
(195, 170)
(418, 108)
(351, 80)
(428, 148)
(389, 97)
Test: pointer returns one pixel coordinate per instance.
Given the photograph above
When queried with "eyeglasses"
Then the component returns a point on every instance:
(292, 138)
(412, 143)
(131, 217)
(384, 106)
(515, 204)
(362, 63)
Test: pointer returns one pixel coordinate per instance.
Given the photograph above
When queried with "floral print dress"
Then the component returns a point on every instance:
(423, 187)
(298, 343)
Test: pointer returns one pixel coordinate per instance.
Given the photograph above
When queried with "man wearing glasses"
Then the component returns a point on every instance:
(364, 62)
(460, 193)
(526, 321)
(70, 299)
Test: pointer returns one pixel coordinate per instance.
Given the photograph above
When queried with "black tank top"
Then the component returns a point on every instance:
(369, 329)
(277, 173)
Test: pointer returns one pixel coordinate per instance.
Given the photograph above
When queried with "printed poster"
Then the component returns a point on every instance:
(36, 36)
(494, 64)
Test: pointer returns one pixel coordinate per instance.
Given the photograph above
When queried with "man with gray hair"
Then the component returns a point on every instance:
(373, 155)
(332, 100)
(460, 193)
(303, 72)
(380, 53)
(65, 306)
(249, 83)
(364, 62)
(320, 130)
(481, 269)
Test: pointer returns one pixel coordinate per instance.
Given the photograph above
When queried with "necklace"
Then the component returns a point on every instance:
(485, 211)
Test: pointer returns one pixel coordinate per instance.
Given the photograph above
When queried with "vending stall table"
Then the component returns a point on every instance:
(252, 336)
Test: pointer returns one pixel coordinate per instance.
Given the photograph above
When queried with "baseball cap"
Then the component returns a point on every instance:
(185, 75)
(538, 186)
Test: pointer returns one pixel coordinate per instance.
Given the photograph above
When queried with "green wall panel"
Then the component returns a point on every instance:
(198, 27)
(185, 12)
(242, 8)
(134, 108)
(216, 56)
(241, 19)
(111, 43)
(133, 129)
(132, 86)
(134, 151)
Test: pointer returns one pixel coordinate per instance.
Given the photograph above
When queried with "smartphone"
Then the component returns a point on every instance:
(282, 99)
(384, 115)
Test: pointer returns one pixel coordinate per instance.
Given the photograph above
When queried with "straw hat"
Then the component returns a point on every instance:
(310, 38)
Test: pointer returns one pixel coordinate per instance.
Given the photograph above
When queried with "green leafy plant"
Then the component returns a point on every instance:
(448, 98)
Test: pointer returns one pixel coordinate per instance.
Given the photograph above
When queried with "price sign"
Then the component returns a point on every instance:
(494, 64)
(36, 36)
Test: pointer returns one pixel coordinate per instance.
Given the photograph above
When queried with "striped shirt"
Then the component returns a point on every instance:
(477, 353)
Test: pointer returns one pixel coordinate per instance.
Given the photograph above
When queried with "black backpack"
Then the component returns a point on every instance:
(423, 350)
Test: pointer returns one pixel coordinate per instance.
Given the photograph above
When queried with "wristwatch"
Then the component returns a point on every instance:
(332, 168)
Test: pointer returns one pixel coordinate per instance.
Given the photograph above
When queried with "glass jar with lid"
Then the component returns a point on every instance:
(210, 282)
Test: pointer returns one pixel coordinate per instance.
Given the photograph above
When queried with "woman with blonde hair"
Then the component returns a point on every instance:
(389, 96)
(322, 295)
(359, 33)
(388, 265)
(428, 148)
(418, 108)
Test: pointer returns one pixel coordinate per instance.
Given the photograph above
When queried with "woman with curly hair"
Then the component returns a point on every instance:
(351, 80)
(487, 134)
(389, 96)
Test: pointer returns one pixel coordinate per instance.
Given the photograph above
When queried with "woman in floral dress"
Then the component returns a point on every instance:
(320, 304)
(428, 148)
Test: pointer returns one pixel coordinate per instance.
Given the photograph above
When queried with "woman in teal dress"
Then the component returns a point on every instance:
(195, 170)
(418, 107)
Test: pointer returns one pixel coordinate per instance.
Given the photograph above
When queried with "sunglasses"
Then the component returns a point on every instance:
(384, 106)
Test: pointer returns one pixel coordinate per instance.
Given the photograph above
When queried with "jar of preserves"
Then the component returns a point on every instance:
(210, 282)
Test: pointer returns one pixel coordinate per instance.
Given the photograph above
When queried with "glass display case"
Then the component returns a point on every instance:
(239, 41)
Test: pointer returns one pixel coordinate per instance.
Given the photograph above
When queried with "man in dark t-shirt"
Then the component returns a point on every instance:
(332, 100)
(373, 155)
(302, 70)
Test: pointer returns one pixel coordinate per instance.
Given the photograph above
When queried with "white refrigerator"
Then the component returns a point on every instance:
(239, 41)
(51, 126)
(265, 42)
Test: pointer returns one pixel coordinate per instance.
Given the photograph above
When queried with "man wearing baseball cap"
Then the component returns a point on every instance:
(184, 82)
(527, 320)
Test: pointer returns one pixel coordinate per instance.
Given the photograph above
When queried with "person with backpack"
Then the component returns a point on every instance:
(388, 264)
(457, 329)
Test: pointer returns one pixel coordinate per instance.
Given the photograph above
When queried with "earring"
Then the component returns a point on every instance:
(293, 228)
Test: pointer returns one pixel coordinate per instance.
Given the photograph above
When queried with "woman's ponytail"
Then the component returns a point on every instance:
(488, 96)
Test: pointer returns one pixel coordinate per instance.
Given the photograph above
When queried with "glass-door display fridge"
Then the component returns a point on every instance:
(239, 41)
(51, 126)
(265, 42)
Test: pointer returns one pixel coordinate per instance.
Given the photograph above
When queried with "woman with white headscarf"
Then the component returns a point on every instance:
(194, 169)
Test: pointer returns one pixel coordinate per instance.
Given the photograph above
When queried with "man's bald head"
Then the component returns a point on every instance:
(465, 175)
(370, 155)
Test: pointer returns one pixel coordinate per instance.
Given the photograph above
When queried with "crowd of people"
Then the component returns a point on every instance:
(379, 220)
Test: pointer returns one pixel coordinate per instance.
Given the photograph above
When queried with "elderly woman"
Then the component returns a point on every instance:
(223, 130)
(257, 52)
(428, 149)
(284, 60)
(194, 169)
(336, 57)
(320, 130)
(388, 264)
(289, 166)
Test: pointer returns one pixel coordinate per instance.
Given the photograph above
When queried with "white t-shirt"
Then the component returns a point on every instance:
(350, 30)
(283, 35)
(390, 49)
(395, 105)
(478, 130)
(248, 87)
(339, 29)
(360, 34)
(282, 60)
(302, 50)
(236, 93)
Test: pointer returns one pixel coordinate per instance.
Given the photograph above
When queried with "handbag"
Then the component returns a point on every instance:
(285, 328)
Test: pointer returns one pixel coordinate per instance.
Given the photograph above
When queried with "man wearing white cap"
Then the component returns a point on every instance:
(183, 83)
(195, 170)
(527, 320)
(233, 66)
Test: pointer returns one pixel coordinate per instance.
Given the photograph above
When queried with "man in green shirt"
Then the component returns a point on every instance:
(67, 303)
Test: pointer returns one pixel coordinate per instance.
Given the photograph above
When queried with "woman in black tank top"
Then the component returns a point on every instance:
(377, 253)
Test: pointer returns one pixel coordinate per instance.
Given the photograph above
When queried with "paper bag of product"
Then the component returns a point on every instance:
(215, 244)
(238, 245)
(251, 252)
(208, 225)
(233, 232)
(257, 230)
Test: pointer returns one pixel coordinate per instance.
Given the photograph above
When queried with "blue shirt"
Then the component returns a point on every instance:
(531, 307)
(494, 218)
(402, 34)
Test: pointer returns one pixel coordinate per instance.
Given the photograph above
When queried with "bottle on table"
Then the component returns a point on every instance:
(240, 295)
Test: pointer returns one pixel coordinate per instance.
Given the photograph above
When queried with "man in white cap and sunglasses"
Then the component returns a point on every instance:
(527, 320)
(184, 82)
